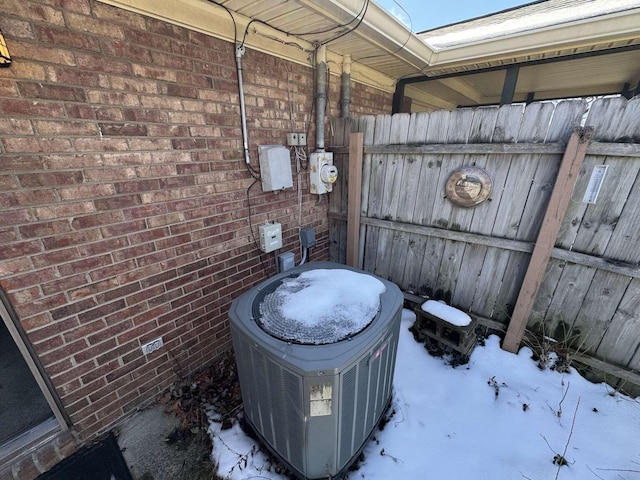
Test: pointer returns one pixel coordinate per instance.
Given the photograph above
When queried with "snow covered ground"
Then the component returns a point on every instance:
(498, 417)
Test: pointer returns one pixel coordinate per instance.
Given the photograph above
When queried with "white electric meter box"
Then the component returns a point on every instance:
(270, 237)
(275, 167)
(323, 174)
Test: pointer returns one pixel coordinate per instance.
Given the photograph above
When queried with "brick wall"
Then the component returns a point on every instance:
(123, 193)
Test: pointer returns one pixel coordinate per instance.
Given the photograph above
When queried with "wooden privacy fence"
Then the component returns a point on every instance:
(476, 258)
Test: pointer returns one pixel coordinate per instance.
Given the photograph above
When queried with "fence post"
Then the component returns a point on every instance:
(356, 145)
(563, 189)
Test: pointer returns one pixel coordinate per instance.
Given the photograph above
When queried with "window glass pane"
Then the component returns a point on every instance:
(23, 403)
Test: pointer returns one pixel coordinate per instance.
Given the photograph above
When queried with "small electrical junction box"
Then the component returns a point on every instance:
(270, 237)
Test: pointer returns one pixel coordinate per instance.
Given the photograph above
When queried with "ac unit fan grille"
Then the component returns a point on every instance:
(266, 310)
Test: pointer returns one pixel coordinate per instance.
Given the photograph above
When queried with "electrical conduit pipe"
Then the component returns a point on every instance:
(321, 92)
(243, 110)
(346, 87)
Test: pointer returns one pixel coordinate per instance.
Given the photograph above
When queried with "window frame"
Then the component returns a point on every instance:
(48, 429)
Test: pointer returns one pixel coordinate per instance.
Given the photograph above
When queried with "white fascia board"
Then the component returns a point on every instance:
(615, 27)
(379, 28)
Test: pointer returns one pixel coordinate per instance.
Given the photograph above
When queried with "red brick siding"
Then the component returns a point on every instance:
(123, 193)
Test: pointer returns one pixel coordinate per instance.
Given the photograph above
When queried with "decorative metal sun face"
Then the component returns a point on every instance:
(468, 186)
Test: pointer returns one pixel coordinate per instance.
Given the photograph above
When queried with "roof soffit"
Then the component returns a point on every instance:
(591, 34)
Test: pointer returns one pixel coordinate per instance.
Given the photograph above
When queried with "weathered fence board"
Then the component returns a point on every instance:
(416, 243)
(473, 255)
(470, 270)
(620, 342)
(475, 258)
(577, 208)
(605, 115)
(367, 127)
(429, 279)
(491, 276)
(597, 310)
(567, 299)
(533, 129)
(413, 267)
(354, 172)
(489, 282)
(595, 148)
(381, 136)
(600, 219)
(625, 238)
(338, 200)
(565, 115)
(550, 226)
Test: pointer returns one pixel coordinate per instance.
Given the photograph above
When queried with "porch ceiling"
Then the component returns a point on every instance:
(562, 48)
(609, 73)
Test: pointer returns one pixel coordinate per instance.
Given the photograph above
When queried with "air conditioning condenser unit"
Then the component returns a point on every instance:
(314, 388)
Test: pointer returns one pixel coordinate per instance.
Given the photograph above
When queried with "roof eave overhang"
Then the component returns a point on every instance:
(383, 32)
(379, 28)
(594, 33)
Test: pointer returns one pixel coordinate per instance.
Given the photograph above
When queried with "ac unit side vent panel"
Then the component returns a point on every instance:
(265, 402)
(374, 392)
(347, 418)
(391, 365)
(381, 379)
(294, 419)
(278, 415)
(245, 361)
(361, 401)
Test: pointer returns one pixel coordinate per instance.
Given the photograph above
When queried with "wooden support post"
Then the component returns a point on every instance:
(356, 149)
(398, 98)
(509, 86)
(558, 203)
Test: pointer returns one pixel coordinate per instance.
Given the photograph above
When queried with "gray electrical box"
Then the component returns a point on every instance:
(275, 167)
(286, 261)
(308, 237)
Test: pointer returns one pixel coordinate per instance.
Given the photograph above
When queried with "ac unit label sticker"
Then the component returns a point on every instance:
(320, 400)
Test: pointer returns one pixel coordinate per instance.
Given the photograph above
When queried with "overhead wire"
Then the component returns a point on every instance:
(283, 42)
(358, 19)
(233, 20)
(399, 48)
(364, 7)
(255, 20)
